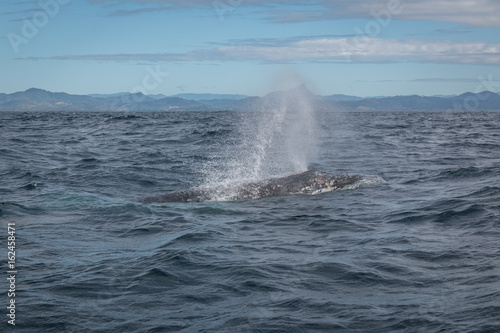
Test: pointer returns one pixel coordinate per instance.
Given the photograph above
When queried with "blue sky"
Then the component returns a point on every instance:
(354, 47)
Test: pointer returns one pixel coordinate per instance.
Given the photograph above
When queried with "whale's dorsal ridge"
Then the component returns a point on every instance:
(308, 182)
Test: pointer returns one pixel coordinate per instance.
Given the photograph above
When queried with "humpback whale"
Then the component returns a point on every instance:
(309, 182)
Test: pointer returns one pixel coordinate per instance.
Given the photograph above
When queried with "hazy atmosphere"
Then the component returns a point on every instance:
(251, 47)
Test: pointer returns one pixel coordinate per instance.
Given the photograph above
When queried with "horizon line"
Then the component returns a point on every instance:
(247, 96)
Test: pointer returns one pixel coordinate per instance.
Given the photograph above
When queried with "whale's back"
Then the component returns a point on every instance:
(309, 182)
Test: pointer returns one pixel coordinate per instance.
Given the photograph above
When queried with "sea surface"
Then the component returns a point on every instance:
(419, 252)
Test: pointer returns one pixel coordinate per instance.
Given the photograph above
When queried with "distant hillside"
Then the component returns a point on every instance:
(202, 97)
(41, 100)
(340, 97)
(464, 102)
(108, 95)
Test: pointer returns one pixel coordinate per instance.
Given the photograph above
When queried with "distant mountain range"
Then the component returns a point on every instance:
(193, 97)
(41, 100)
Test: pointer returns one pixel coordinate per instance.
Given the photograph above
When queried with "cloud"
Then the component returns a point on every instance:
(269, 41)
(451, 31)
(479, 13)
(25, 11)
(128, 12)
(440, 80)
(483, 13)
(358, 49)
(20, 14)
(204, 3)
(429, 80)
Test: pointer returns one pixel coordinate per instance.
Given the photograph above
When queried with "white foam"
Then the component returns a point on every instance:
(369, 180)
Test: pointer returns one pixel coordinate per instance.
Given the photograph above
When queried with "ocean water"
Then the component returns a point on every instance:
(418, 253)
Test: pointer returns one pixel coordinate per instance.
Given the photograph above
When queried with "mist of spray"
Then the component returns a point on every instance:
(278, 138)
(282, 139)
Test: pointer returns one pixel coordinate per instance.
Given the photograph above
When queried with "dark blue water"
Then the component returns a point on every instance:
(420, 253)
